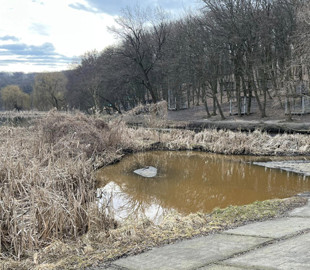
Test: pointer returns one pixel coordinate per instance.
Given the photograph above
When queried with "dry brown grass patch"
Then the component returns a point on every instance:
(238, 143)
(150, 115)
(47, 183)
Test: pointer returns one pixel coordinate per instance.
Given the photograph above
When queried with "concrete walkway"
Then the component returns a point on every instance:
(282, 243)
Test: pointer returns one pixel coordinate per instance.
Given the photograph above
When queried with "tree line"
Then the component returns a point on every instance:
(237, 50)
(41, 91)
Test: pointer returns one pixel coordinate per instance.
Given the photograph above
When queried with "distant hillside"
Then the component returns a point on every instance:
(23, 80)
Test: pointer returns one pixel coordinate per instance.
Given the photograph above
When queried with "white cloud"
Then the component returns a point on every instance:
(71, 31)
(80, 32)
(29, 67)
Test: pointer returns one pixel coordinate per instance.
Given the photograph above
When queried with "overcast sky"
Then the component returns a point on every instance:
(48, 35)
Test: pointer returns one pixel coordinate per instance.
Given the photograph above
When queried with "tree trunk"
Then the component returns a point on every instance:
(219, 107)
(205, 100)
(151, 91)
(288, 111)
(262, 108)
(148, 85)
(237, 82)
(206, 107)
(214, 104)
(198, 96)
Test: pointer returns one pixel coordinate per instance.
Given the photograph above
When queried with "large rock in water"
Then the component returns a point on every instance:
(147, 172)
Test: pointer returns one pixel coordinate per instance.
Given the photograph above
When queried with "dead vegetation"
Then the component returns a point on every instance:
(238, 143)
(47, 183)
(45, 191)
(150, 115)
(49, 217)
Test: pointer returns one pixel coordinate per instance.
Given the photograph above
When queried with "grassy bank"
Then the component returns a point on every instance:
(48, 212)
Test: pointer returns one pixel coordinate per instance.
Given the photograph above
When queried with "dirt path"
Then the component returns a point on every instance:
(196, 118)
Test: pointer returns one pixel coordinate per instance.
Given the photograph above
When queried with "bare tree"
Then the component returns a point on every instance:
(303, 32)
(143, 35)
(49, 90)
(241, 48)
(258, 37)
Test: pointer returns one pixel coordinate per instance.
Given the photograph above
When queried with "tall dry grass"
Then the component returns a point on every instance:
(150, 115)
(47, 185)
(238, 143)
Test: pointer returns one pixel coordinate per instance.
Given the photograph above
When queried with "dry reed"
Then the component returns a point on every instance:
(238, 143)
(47, 183)
(150, 115)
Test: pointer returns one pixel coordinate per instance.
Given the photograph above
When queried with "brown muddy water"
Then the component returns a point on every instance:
(191, 182)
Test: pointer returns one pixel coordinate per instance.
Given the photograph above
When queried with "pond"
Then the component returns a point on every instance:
(191, 182)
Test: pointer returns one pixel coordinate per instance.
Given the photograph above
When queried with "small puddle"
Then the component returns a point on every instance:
(191, 182)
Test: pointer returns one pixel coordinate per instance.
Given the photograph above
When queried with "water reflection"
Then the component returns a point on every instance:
(190, 182)
(122, 206)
